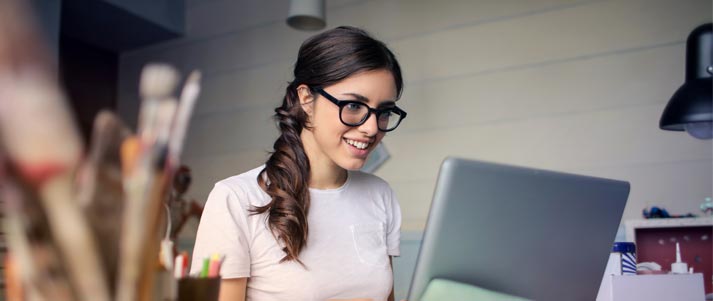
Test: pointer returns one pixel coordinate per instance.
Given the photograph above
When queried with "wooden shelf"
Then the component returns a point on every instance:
(632, 225)
(656, 239)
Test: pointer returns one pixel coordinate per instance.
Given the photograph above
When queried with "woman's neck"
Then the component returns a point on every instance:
(322, 177)
(324, 173)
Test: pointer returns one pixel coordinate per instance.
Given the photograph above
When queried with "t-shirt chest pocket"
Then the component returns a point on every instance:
(370, 243)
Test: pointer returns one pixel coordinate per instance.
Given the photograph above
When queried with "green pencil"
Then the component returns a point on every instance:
(206, 266)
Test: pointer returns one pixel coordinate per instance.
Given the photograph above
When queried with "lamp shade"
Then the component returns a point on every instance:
(306, 14)
(691, 106)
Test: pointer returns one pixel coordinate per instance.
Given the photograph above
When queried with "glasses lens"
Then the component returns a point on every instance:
(354, 113)
(389, 120)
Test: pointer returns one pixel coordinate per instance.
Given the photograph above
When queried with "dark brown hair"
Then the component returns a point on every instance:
(323, 60)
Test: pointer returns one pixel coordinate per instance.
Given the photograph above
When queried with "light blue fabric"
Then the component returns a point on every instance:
(448, 290)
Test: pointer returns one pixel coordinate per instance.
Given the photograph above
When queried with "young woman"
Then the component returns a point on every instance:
(308, 225)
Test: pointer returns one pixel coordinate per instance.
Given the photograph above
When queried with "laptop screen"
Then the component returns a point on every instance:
(526, 232)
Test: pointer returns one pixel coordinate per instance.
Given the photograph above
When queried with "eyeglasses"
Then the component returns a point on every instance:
(355, 113)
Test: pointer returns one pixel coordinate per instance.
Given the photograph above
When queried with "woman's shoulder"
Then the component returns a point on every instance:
(244, 186)
(246, 178)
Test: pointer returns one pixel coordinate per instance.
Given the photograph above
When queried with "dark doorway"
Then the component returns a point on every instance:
(90, 76)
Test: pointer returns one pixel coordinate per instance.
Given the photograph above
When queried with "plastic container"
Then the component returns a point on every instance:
(623, 258)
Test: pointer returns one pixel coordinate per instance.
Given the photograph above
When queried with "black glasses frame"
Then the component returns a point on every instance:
(377, 112)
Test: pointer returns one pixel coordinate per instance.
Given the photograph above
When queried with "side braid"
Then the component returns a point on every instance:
(287, 179)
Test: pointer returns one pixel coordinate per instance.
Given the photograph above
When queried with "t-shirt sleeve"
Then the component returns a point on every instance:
(223, 230)
(393, 234)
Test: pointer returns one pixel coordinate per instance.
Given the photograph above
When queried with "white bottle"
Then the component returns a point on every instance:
(679, 267)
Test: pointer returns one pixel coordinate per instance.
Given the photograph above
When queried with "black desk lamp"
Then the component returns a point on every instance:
(691, 107)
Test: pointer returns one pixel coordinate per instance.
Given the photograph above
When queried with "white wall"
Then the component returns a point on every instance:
(566, 85)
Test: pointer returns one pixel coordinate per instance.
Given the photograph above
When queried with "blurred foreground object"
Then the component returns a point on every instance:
(181, 207)
(83, 225)
(43, 151)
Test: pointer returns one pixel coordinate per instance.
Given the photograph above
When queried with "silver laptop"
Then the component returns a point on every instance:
(531, 233)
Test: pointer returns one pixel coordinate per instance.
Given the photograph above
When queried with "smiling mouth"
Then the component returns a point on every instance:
(357, 144)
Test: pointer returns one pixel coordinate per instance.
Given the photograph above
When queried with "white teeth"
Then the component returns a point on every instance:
(357, 144)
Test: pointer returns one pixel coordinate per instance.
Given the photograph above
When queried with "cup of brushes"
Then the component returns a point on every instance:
(87, 226)
(84, 225)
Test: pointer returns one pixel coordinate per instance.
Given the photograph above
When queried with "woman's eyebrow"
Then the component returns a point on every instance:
(358, 97)
(387, 104)
(365, 99)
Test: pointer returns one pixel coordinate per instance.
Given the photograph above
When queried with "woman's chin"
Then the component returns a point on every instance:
(353, 164)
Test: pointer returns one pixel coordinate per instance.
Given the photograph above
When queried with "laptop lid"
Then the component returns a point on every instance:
(532, 233)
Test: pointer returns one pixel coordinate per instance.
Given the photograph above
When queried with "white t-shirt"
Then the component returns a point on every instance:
(352, 232)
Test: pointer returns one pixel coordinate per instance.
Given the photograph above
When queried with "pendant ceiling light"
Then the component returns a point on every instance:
(306, 14)
(691, 107)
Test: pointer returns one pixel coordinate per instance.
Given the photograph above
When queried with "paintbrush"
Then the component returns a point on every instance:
(42, 143)
(143, 182)
(20, 45)
(155, 218)
(174, 140)
(43, 146)
(100, 190)
(157, 83)
(30, 243)
(189, 96)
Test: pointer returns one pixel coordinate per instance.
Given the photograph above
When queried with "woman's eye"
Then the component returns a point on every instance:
(386, 114)
(353, 107)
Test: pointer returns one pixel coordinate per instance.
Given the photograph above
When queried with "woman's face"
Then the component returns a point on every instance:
(348, 146)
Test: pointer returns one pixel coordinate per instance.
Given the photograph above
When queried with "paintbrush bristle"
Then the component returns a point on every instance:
(189, 95)
(194, 77)
(158, 80)
(164, 118)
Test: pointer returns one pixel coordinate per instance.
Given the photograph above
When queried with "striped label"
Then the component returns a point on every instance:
(628, 264)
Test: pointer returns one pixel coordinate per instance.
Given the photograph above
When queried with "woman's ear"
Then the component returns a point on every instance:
(306, 99)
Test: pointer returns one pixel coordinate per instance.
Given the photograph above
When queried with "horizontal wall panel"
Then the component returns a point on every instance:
(559, 34)
(217, 18)
(220, 17)
(209, 170)
(220, 134)
(402, 19)
(574, 31)
(562, 34)
(226, 20)
(247, 49)
(679, 186)
(641, 77)
(604, 138)
(263, 87)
